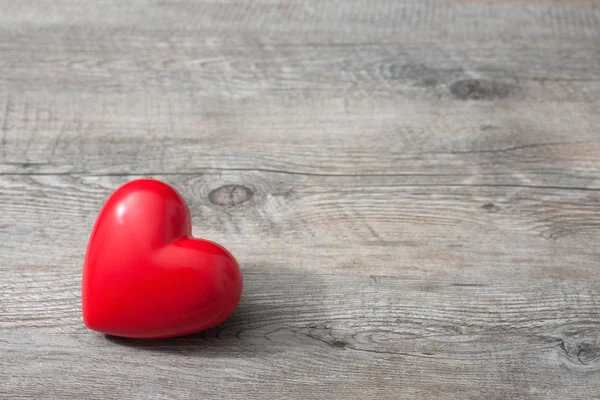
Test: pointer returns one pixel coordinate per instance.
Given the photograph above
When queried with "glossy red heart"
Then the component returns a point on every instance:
(145, 276)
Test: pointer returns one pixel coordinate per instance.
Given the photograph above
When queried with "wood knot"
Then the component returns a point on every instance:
(476, 89)
(489, 207)
(582, 347)
(339, 344)
(230, 195)
(588, 352)
(488, 127)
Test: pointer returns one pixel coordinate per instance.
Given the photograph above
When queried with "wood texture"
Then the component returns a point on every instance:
(412, 189)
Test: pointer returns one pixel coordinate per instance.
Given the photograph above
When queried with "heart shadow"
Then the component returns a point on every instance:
(276, 311)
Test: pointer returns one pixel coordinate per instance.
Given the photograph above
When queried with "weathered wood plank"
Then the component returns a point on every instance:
(401, 226)
(359, 336)
(410, 70)
(220, 23)
(197, 368)
(526, 142)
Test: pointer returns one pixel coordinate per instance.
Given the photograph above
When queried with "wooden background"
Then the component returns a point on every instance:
(412, 189)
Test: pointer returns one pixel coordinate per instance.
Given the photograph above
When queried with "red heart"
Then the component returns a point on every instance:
(145, 276)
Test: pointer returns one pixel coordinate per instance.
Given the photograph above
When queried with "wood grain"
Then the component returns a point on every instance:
(412, 189)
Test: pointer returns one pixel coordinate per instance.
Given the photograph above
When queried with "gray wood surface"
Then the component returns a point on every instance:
(412, 189)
